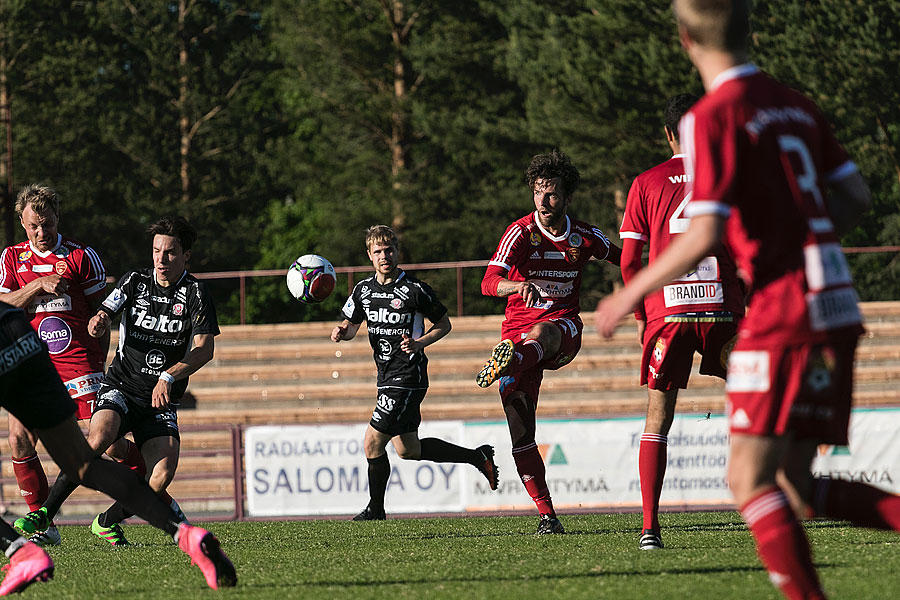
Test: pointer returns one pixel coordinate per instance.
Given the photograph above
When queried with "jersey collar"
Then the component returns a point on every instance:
(737, 72)
(51, 250)
(549, 235)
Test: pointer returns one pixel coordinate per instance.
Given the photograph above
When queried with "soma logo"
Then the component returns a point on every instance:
(56, 333)
(162, 324)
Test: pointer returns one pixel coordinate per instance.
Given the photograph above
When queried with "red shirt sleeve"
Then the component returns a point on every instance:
(631, 264)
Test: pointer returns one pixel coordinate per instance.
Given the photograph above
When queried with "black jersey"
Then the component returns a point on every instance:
(157, 327)
(390, 311)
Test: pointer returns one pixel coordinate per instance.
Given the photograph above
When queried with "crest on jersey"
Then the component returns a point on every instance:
(573, 254)
(396, 303)
(535, 238)
(575, 239)
(24, 255)
(178, 309)
(60, 267)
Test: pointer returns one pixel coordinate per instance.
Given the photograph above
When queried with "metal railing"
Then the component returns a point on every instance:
(458, 266)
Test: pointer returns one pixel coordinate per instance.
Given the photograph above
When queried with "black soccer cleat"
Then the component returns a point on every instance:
(549, 525)
(368, 514)
(650, 540)
(487, 466)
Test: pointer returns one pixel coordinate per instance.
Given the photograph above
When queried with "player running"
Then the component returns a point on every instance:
(166, 333)
(60, 283)
(769, 174)
(394, 305)
(33, 392)
(538, 266)
(696, 313)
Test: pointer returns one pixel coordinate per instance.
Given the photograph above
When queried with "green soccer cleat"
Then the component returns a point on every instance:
(34, 522)
(114, 534)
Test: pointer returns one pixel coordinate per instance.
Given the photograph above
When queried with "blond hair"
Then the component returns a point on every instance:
(722, 25)
(381, 234)
(41, 198)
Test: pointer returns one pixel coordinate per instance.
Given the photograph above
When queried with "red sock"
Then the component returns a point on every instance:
(531, 469)
(32, 480)
(652, 469)
(525, 355)
(782, 545)
(861, 504)
(134, 460)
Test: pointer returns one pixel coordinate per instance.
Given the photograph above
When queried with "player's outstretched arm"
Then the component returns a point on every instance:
(344, 331)
(847, 201)
(682, 255)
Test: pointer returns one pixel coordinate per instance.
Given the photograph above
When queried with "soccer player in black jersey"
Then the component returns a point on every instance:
(31, 390)
(394, 305)
(167, 330)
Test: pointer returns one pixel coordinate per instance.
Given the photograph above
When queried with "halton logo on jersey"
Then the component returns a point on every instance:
(383, 315)
(161, 324)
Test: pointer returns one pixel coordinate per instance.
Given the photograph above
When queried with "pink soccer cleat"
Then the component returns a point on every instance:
(29, 564)
(204, 550)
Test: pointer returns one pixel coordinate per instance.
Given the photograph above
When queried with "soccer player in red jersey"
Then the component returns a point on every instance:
(698, 312)
(60, 284)
(769, 176)
(537, 267)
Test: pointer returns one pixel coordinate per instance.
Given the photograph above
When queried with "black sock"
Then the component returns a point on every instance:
(61, 490)
(437, 450)
(114, 514)
(8, 535)
(379, 473)
(123, 485)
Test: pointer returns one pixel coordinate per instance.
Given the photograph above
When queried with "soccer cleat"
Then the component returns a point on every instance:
(206, 553)
(27, 565)
(487, 466)
(114, 534)
(493, 369)
(33, 522)
(650, 540)
(368, 514)
(50, 537)
(549, 525)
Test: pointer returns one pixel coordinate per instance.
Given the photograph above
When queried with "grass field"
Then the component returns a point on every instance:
(708, 555)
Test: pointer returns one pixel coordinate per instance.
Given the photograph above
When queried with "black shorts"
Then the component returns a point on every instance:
(397, 410)
(143, 421)
(30, 388)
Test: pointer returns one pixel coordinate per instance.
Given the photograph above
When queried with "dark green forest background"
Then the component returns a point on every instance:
(282, 127)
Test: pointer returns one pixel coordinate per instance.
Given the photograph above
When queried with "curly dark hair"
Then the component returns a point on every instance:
(552, 166)
(676, 106)
(177, 227)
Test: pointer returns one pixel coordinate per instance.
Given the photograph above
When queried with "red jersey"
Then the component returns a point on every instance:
(529, 252)
(60, 321)
(758, 153)
(654, 213)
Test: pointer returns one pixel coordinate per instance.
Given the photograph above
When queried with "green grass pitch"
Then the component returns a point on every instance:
(707, 555)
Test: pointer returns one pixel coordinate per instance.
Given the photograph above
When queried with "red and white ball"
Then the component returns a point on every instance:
(311, 278)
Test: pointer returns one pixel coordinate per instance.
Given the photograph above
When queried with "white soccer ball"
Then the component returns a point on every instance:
(311, 278)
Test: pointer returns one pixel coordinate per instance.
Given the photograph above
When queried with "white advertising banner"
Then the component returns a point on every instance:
(321, 470)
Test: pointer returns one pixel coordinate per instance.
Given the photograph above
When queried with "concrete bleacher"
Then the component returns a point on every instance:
(293, 373)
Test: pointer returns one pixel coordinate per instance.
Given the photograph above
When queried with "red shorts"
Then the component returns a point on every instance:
(669, 351)
(529, 382)
(804, 390)
(82, 385)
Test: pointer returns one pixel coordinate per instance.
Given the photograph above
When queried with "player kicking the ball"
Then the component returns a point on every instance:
(394, 305)
(31, 390)
(697, 312)
(769, 175)
(538, 266)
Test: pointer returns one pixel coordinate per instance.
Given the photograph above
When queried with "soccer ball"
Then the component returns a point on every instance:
(311, 278)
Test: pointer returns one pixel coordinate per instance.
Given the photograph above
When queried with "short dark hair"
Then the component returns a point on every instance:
(177, 227)
(676, 106)
(552, 166)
